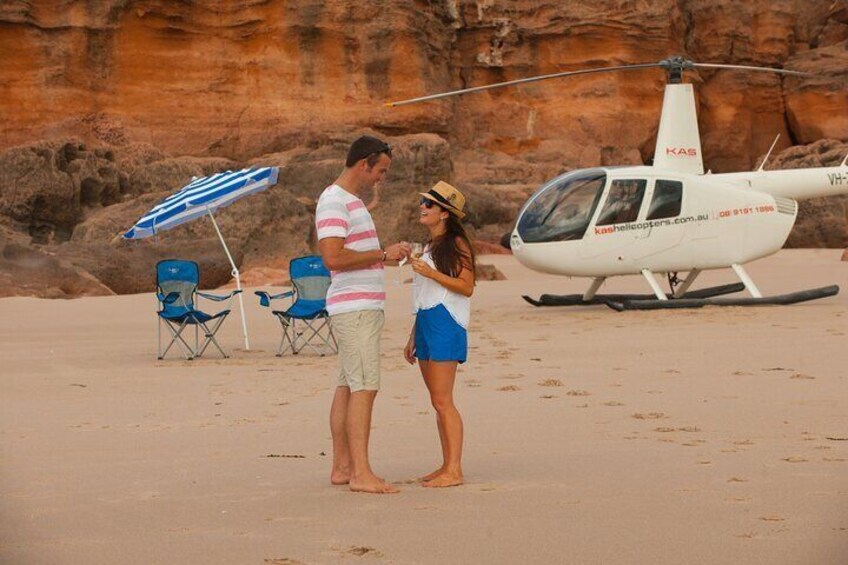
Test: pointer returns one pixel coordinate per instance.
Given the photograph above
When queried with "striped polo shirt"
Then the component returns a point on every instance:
(342, 214)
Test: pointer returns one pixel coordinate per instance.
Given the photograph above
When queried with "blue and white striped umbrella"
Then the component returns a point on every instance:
(200, 197)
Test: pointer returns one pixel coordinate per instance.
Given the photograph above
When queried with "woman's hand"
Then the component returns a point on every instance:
(409, 351)
(423, 269)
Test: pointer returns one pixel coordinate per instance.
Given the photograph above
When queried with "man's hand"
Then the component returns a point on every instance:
(398, 251)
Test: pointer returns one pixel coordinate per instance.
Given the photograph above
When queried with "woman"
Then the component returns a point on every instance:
(442, 287)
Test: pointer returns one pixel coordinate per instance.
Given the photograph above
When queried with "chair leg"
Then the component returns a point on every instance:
(176, 336)
(285, 337)
(295, 335)
(210, 336)
(315, 330)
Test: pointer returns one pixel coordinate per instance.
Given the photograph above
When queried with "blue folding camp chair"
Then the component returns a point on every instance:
(310, 281)
(176, 291)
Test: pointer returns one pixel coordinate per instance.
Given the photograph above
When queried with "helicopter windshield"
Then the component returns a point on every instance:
(562, 209)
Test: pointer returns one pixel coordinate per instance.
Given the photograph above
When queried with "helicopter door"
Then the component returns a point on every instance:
(664, 228)
(616, 226)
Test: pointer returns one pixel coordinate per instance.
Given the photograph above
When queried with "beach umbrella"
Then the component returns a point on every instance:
(201, 197)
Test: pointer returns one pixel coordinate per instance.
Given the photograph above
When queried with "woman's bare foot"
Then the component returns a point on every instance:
(446, 479)
(431, 476)
(373, 485)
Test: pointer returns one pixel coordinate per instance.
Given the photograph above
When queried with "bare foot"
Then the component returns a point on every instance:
(431, 476)
(339, 478)
(373, 485)
(340, 475)
(446, 479)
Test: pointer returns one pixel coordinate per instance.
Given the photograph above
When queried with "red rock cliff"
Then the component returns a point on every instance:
(119, 102)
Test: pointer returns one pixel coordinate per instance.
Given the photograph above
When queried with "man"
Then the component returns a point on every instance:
(347, 240)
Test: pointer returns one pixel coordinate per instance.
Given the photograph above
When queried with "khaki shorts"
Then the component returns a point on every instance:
(358, 335)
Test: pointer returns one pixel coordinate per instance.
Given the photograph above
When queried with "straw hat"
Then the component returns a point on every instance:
(447, 197)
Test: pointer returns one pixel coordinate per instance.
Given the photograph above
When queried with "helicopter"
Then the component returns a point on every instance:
(669, 217)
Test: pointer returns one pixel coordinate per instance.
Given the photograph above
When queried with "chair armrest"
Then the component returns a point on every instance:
(265, 298)
(218, 297)
(169, 298)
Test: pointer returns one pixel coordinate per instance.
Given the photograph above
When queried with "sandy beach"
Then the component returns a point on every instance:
(700, 436)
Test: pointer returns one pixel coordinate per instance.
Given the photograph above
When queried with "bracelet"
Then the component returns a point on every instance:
(384, 255)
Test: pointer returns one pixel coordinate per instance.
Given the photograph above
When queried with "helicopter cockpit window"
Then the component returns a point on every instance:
(668, 195)
(561, 211)
(623, 202)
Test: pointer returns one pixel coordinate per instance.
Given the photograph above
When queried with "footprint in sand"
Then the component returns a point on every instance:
(694, 443)
(578, 393)
(801, 376)
(509, 388)
(512, 376)
(359, 551)
(613, 403)
(649, 416)
(283, 561)
(548, 396)
(773, 518)
(550, 382)
(794, 459)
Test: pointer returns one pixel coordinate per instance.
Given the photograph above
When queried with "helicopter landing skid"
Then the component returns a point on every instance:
(577, 299)
(688, 302)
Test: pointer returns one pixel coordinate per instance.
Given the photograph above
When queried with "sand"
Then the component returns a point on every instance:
(701, 436)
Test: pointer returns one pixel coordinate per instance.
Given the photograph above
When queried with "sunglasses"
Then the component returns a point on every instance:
(427, 203)
(387, 149)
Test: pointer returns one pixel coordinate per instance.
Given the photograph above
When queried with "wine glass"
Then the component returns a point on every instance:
(417, 249)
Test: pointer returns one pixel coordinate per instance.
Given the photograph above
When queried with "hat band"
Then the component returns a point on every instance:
(441, 199)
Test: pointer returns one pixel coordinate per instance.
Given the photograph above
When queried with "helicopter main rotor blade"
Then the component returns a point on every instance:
(750, 68)
(674, 66)
(521, 81)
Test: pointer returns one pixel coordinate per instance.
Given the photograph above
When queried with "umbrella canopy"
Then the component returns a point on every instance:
(202, 196)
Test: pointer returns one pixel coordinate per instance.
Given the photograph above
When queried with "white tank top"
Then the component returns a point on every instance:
(427, 293)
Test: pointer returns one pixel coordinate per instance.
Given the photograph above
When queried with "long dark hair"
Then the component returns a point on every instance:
(446, 253)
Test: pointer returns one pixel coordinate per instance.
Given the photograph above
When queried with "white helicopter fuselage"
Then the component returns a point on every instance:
(678, 219)
(719, 220)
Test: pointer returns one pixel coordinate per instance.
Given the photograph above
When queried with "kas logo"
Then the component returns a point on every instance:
(681, 151)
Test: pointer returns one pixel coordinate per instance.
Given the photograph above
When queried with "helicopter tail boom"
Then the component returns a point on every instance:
(798, 184)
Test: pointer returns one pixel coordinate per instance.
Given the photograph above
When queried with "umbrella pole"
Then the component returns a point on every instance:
(235, 273)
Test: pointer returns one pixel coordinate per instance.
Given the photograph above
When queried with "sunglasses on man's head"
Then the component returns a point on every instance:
(387, 149)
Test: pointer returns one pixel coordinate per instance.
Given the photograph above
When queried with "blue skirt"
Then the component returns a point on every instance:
(438, 337)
